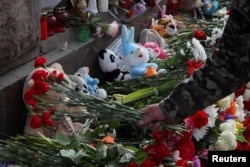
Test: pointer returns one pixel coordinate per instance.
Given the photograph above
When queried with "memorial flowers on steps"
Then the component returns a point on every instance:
(223, 126)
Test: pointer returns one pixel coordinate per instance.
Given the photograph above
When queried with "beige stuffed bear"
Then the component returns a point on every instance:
(80, 9)
(40, 121)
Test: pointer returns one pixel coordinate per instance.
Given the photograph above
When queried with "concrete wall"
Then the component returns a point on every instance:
(17, 59)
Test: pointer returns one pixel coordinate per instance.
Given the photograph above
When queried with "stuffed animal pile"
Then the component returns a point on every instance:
(93, 83)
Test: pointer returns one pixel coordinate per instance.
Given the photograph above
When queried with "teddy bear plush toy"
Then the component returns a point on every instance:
(92, 83)
(111, 66)
(80, 9)
(40, 119)
(79, 84)
(136, 57)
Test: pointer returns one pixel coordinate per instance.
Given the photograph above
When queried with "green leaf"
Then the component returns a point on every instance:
(78, 156)
(62, 139)
(101, 152)
(241, 139)
(87, 137)
(68, 153)
(126, 157)
(211, 136)
(113, 163)
(75, 143)
(140, 156)
(135, 149)
(112, 151)
(114, 124)
(90, 150)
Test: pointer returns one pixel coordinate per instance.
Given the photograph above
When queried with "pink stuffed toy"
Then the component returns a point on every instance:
(156, 49)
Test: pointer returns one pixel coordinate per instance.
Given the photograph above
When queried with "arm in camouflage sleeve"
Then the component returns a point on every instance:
(224, 72)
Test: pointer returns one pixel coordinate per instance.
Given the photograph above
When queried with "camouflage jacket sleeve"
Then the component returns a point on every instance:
(224, 72)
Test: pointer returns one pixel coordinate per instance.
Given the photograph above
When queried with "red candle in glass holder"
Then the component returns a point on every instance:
(61, 19)
(43, 26)
(51, 22)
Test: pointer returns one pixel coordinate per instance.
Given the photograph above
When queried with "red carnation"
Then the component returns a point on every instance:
(130, 13)
(131, 164)
(199, 119)
(40, 61)
(243, 146)
(240, 91)
(247, 105)
(152, 3)
(29, 99)
(148, 163)
(158, 151)
(41, 88)
(193, 65)
(200, 35)
(187, 150)
(47, 119)
(35, 121)
(53, 74)
(60, 77)
(39, 76)
(125, 4)
(181, 163)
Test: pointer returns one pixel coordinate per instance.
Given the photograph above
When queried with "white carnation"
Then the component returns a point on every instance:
(246, 94)
(227, 141)
(228, 136)
(221, 145)
(240, 114)
(188, 44)
(182, 52)
(212, 112)
(224, 103)
(229, 125)
(198, 50)
(198, 134)
(248, 85)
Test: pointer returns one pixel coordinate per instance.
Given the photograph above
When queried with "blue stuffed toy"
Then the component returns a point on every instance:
(209, 7)
(92, 83)
(136, 56)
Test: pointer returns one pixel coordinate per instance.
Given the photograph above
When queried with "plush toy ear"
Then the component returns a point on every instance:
(87, 69)
(124, 35)
(127, 35)
(57, 66)
(152, 23)
(131, 35)
(101, 53)
(163, 10)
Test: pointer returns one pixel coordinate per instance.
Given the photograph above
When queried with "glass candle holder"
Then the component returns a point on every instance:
(83, 35)
(103, 5)
(51, 22)
(61, 19)
(43, 26)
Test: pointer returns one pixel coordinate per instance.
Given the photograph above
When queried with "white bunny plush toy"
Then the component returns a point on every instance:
(136, 56)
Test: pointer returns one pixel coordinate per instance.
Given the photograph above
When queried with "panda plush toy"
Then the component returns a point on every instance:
(111, 66)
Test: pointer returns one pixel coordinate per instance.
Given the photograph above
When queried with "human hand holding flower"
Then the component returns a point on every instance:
(153, 117)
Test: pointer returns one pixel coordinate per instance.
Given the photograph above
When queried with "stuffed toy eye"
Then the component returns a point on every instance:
(131, 52)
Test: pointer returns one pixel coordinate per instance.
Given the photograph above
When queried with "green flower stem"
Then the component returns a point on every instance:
(143, 93)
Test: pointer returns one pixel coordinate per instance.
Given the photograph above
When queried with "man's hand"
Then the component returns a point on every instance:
(153, 117)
